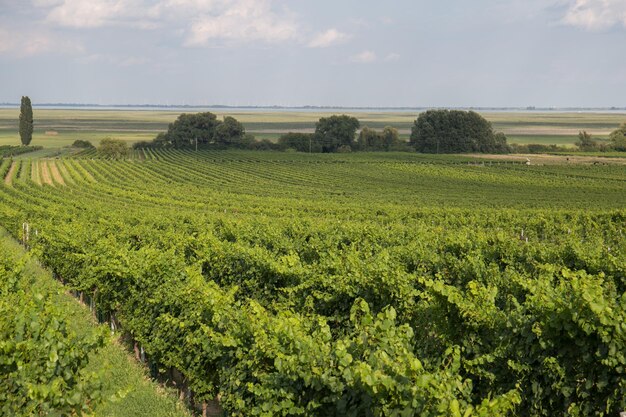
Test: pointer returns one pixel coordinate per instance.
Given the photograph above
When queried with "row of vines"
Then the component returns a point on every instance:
(277, 289)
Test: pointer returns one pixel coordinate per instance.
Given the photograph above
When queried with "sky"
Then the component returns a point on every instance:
(366, 53)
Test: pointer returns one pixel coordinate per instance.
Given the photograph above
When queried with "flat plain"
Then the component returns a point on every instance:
(56, 128)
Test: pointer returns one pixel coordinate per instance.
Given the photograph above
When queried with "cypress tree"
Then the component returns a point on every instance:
(26, 121)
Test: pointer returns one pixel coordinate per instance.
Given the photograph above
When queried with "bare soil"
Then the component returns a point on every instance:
(45, 173)
(56, 175)
(8, 180)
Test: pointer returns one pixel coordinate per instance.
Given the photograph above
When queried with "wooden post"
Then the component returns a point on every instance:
(136, 349)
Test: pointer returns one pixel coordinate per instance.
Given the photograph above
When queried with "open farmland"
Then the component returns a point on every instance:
(295, 284)
(65, 126)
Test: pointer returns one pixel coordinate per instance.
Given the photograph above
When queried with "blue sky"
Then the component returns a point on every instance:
(315, 52)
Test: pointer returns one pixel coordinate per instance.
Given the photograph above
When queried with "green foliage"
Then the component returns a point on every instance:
(301, 142)
(618, 138)
(80, 143)
(455, 131)
(26, 121)
(335, 131)
(230, 132)
(42, 362)
(189, 128)
(585, 142)
(290, 293)
(10, 151)
(203, 129)
(144, 144)
(371, 140)
(113, 148)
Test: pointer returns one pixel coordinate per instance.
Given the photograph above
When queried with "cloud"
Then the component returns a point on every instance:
(596, 14)
(392, 57)
(200, 21)
(364, 57)
(115, 60)
(328, 38)
(244, 20)
(92, 13)
(26, 44)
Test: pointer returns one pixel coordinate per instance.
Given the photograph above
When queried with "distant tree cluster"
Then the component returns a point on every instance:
(80, 143)
(113, 148)
(332, 134)
(301, 142)
(618, 138)
(203, 129)
(617, 141)
(455, 131)
(442, 131)
(372, 140)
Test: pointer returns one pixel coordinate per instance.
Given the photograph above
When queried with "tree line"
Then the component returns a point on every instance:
(617, 141)
(434, 131)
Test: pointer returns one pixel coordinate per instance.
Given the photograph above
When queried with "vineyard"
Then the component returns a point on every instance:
(286, 284)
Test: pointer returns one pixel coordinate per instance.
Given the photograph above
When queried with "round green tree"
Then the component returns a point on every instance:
(455, 131)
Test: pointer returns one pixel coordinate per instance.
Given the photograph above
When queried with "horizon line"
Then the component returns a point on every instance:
(309, 107)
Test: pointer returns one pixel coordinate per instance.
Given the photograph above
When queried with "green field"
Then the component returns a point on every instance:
(65, 126)
(346, 284)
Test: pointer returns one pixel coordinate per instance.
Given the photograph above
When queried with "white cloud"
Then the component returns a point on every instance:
(243, 20)
(364, 57)
(25, 44)
(115, 60)
(200, 21)
(92, 13)
(328, 38)
(392, 57)
(596, 14)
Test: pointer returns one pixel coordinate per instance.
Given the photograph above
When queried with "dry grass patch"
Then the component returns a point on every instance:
(54, 172)
(8, 180)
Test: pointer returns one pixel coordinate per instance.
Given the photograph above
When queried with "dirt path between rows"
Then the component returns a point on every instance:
(56, 175)
(45, 173)
(65, 173)
(8, 180)
(544, 159)
(34, 173)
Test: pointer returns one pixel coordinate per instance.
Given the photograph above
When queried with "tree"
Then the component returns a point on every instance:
(301, 142)
(26, 121)
(191, 127)
(229, 132)
(369, 139)
(389, 137)
(80, 143)
(455, 131)
(203, 129)
(618, 138)
(113, 148)
(335, 131)
(585, 142)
